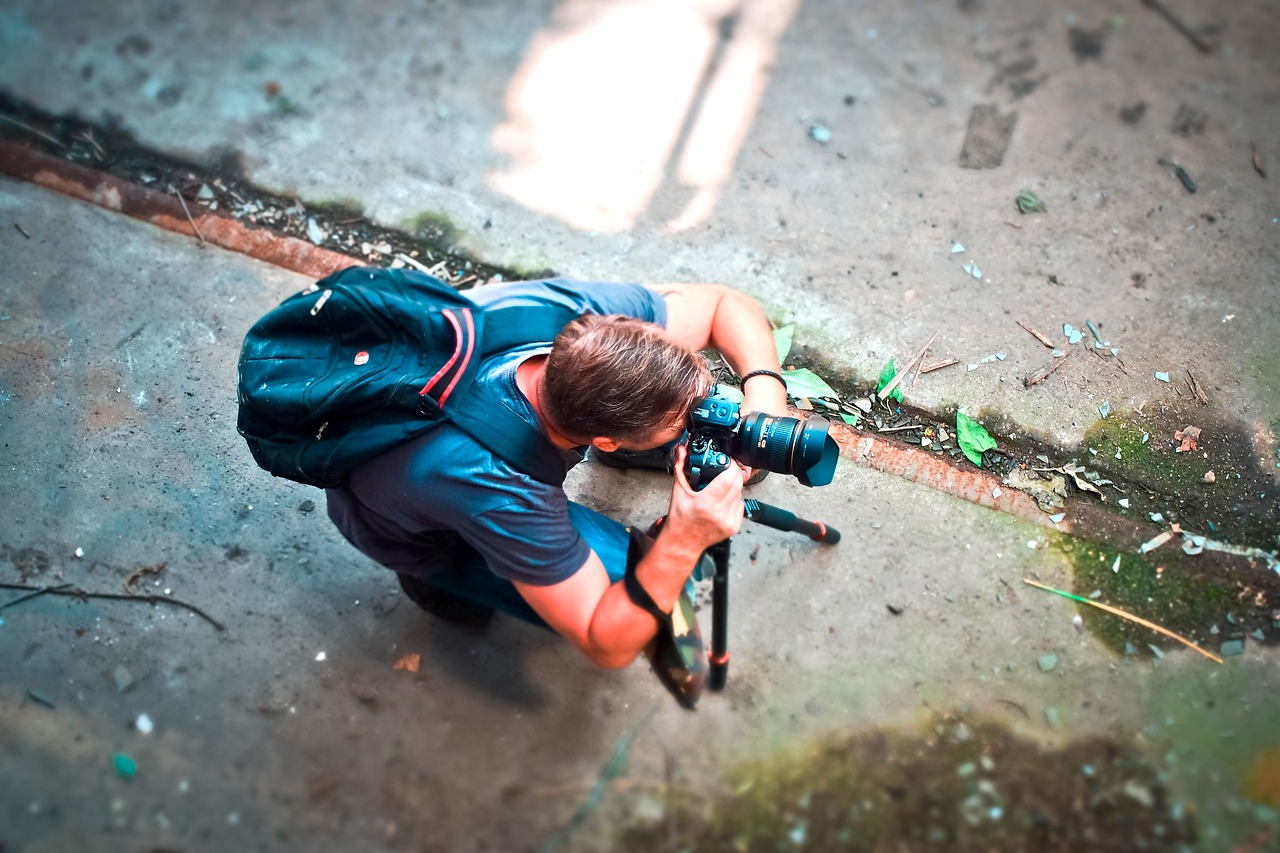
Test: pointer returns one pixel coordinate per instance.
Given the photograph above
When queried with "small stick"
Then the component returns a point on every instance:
(31, 129)
(1044, 374)
(143, 570)
(1118, 612)
(22, 230)
(188, 213)
(893, 383)
(76, 592)
(901, 428)
(1200, 44)
(1039, 337)
(30, 595)
(1257, 160)
(87, 136)
(1013, 704)
(938, 365)
(1196, 390)
(413, 263)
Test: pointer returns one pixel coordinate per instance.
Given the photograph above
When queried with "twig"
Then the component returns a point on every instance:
(143, 570)
(901, 428)
(1013, 704)
(22, 230)
(1044, 374)
(617, 784)
(412, 262)
(1039, 337)
(187, 212)
(1257, 160)
(1200, 44)
(893, 383)
(938, 365)
(87, 136)
(30, 595)
(1118, 612)
(30, 129)
(76, 592)
(1196, 390)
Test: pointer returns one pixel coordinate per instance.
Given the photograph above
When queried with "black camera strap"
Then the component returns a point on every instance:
(640, 596)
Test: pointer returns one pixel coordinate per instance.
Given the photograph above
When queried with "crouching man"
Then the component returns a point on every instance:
(468, 534)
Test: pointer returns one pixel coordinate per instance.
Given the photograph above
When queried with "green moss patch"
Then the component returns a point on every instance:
(960, 785)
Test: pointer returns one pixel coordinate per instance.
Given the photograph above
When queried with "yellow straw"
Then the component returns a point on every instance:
(1118, 612)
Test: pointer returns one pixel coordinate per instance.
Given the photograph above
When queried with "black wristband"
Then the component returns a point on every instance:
(640, 596)
(774, 374)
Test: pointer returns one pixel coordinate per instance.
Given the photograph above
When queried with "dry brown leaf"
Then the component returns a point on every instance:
(409, 662)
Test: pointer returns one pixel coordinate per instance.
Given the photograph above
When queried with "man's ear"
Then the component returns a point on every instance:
(604, 445)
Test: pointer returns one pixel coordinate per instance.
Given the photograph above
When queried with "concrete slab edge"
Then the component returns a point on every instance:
(167, 211)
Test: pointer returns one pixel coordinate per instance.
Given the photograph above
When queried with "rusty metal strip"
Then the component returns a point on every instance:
(164, 210)
(930, 470)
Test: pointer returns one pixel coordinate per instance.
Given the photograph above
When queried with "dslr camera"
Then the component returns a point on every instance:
(802, 448)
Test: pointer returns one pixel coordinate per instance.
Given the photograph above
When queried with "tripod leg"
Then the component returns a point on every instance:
(718, 672)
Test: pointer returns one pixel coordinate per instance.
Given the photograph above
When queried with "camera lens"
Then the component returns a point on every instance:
(803, 448)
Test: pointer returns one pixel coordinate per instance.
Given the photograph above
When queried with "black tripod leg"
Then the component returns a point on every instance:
(785, 520)
(718, 669)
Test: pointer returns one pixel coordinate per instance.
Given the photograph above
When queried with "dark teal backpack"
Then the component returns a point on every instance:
(372, 358)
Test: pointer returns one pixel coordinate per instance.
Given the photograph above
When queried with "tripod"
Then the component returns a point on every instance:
(769, 516)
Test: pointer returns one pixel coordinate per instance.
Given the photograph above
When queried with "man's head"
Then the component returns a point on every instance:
(615, 377)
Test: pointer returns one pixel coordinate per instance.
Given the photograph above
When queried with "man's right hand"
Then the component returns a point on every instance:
(707, 516)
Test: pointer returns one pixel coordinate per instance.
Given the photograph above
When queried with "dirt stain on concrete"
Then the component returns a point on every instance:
(961, 784)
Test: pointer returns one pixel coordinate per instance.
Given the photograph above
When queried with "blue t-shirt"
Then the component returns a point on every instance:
(393, 507)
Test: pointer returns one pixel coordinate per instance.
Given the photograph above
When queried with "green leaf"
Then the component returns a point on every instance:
(851, 420)
(973, 438)
(886, 376)
(782, 339)
(1029, 202)
(805, 383)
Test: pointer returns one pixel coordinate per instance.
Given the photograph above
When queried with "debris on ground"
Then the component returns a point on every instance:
(125, 766)
(973, 438)
(1028, 202)
(1126, 615)
(1180, 173)
(1049, 493)
(408, 663)
(1188, 438)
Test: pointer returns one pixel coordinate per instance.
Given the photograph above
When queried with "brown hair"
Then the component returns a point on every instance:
(616, 377)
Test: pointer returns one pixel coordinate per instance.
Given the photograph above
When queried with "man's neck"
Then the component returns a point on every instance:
(529, 381)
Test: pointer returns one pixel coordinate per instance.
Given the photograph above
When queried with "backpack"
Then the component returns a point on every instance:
(370, 358)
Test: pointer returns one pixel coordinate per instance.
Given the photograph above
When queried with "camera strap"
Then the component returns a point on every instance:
(640, 596)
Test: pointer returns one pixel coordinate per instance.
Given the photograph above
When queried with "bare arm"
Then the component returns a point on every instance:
(598, 617)
(734, 324)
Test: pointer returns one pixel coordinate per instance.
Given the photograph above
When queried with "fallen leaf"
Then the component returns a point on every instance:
(409, 662)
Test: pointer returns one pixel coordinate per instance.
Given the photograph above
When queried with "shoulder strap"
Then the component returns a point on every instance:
(516, 325)
(484, 416)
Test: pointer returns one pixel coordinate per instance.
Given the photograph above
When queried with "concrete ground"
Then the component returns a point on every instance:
(809, 153)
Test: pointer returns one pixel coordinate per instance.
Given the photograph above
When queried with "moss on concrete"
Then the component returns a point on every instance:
(960, 784)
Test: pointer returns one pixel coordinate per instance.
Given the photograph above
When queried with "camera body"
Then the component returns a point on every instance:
(712, 426)
(717, 433)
